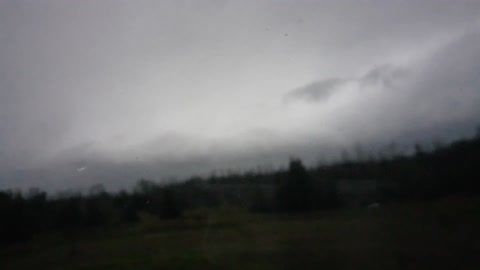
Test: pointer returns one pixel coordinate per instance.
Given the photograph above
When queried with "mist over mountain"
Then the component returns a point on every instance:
(113, 91)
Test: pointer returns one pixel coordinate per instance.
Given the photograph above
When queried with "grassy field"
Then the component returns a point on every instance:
(435, 235)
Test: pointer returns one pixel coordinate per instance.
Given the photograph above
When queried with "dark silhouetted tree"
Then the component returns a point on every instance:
(295, 190)
(171, 206)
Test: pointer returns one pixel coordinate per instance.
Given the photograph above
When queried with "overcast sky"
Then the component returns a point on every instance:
(110, 91)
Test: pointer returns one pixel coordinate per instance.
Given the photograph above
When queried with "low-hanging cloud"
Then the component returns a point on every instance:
(317, 91)
(172, 88)
(384, 76)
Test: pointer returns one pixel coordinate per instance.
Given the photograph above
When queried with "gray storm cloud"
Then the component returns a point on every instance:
(385, 76)
(132, 89)
(317, 91)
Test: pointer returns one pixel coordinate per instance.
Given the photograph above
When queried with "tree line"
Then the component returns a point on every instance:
(447, 170)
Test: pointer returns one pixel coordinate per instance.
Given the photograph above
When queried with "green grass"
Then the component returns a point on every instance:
(435, 235)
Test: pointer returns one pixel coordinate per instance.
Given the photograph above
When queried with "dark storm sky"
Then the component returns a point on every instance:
(129, 89)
